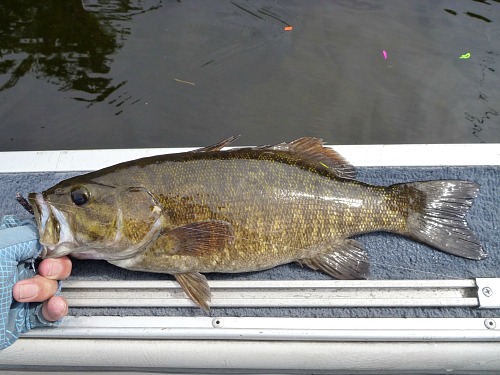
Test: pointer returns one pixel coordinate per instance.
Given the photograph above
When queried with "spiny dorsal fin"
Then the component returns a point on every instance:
(218, 146)
(195, 285)
(311, 150)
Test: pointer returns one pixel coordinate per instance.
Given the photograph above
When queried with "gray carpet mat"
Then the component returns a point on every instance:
(391, 256)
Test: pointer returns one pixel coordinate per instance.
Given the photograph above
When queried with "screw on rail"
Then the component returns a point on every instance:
(487, 291)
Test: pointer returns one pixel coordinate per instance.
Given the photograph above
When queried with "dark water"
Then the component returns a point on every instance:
(118, 74)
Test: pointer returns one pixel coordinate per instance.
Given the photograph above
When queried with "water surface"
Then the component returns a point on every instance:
(126, 74)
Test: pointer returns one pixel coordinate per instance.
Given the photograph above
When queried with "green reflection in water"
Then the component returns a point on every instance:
(67, 43)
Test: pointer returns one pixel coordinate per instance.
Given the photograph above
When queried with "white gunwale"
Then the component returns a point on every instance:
(413, 155)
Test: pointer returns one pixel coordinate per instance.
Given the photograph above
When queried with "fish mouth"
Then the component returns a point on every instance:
(56, 236)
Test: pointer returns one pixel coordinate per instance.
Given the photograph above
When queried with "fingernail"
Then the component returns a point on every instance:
(54, 269)
(28, 290)
(55, 308)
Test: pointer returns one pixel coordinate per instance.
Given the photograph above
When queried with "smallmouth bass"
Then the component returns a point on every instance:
(245, 209)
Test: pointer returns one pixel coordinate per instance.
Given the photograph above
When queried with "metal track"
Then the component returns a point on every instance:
(173, 342)
(274, 329)
(482, 293)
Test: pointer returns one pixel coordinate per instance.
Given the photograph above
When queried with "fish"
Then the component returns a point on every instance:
(234, 210)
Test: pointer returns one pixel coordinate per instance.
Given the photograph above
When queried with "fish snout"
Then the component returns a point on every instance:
(49, 227)
(41, 211)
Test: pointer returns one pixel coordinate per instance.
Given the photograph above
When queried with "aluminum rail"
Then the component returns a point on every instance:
(481, 292)
(271, 345)
(275, 329)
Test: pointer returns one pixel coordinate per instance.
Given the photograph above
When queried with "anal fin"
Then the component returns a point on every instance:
(342, 259)
(195, 285)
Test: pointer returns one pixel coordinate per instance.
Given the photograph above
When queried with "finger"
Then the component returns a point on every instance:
(55, 268)
(55, 308)
(36, 289)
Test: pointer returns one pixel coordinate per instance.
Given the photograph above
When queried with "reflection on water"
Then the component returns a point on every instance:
(166, 73)
(67, 43)
(470, 14)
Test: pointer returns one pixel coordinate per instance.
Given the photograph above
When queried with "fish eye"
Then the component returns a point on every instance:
(80, 196)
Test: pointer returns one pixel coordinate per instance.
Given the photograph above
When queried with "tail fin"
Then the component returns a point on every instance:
(436, 216)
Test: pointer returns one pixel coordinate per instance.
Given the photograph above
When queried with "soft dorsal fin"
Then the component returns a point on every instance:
(311, 150)
(218, 146)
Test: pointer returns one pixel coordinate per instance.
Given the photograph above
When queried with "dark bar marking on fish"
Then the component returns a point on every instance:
(23, 202)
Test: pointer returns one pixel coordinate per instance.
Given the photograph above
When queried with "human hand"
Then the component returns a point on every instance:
(43, 287)
(19, 247)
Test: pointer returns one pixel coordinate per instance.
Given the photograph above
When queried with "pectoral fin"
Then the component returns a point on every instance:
(202, 237)
(196, 287)
(343, 259)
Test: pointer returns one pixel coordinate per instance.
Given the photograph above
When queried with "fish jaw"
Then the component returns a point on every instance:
(56, 236)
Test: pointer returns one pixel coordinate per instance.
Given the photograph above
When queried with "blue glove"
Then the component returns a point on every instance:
(19, 247)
